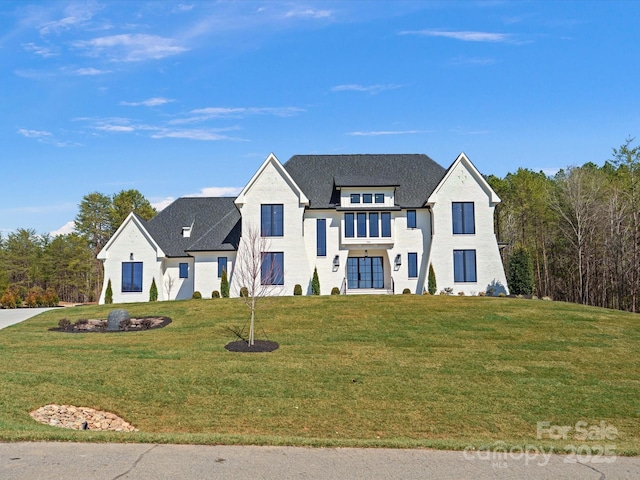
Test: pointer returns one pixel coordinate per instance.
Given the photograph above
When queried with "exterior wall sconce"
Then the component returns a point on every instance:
(131, 256)
(366, 253)
(398, 261)
(336, 261)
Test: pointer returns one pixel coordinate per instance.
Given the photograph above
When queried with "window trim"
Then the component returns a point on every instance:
(361, 225)
(221, 267)
(354, 198)
(268, 220)
(412, 222)
(349, 230)
(460, 228)
(132, 266)
(412, 265)
(184, 265)
(367, 198)
(463, 255)
(385, 225)
(321, 237)
(377, 196)
(277, 277)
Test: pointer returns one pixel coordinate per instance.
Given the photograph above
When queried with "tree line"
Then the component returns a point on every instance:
(579, 232)
(40, 270)
(579, 228)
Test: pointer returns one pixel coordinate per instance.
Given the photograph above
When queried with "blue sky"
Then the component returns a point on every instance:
(189, 97)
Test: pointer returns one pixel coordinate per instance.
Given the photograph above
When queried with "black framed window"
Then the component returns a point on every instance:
(348, 225)
(272, 268)
(362, 224)
(374, 230)
(272, 220)
(131, 276)
(463, 218)
(379, 198)
(321, 237)
(355, 198)
(412, 263)
(184, 270)
(385, 218)
(367, 198)
(464, 266)
(411, 219)
(222, 266)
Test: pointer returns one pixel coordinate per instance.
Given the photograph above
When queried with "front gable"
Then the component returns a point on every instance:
(271, 167)
(131, 233)
(461, 175)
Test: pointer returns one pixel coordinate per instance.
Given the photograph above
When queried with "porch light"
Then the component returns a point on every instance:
(336, 261)
(131, 256)
(366, 253)
(398, 260)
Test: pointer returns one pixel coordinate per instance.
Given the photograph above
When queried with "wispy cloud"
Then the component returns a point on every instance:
(68, 227)
(130, 47)
(45, 52)
(150, 102)
(217, 192)
(75, 14)
(203, 114)
(377, 133)
(194, 134)
(308, 13)
(90, 71)
(372, 89)
(46, 137)
(466, 36)
(34, 133)
(472, 61)
(163, 203)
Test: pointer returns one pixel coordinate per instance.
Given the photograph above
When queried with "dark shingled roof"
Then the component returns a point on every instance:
(415, 176)
(216, 225)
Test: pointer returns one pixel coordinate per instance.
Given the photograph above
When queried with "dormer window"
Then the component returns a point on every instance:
(355, 198)
(379, 197)
(367, 198)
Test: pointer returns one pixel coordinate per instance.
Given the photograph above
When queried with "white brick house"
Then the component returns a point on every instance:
(368, 223)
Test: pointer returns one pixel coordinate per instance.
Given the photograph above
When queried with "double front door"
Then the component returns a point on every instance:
(365, 272)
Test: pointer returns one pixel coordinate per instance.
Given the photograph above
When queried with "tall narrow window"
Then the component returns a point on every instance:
(412, 262)
(131, 276)
(222, 266)
(374, 231)
(386, 224)
(464, 266)
(321, 237)
(271, 220)
(272, 268)
(463, 218)
(184, 270)
(348, 225)
(362, 224)
(411, 219)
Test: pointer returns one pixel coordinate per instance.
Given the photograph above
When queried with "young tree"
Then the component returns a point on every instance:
(315, 282)
(224, 284)
(168, 285)
(520, 272)
(108, 294)
(254, 272)
(153, 291)
(432, 286)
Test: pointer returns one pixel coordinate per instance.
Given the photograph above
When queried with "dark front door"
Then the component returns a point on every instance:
(365, 272)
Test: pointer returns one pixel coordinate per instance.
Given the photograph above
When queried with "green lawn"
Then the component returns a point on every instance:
(396, 371)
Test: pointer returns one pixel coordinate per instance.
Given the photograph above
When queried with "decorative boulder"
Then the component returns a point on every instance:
(114, 319)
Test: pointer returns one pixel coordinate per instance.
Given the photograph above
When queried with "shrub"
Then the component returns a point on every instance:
(108, 294)
(297, 290)
(315, 282)
(215, 294)
(461, 294)
(481, 294)
(8, 299)
(153, 291)
(335, 291)
(406, 291)
(448, 290)
(51, 298)
(426, 292)
(501, 294)
(196, 295)
(224, 284)
(64, 324)
(244, 292)
(432, 285)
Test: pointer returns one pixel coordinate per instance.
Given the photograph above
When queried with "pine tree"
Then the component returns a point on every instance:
(224, 284)
(315, 283)
(153, 291)
(108, 294)
(432, 285)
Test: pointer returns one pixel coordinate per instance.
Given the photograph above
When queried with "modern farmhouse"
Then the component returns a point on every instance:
(367, 223)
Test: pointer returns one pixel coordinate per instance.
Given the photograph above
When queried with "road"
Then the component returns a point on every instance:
(58, 461)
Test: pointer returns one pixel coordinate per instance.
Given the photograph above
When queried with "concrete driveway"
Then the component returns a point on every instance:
(17, 315)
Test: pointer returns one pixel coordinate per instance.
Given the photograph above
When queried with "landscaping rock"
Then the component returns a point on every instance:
(80, 418)
(114, 319)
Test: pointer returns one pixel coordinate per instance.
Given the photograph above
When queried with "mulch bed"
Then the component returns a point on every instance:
(258, 346)
(99, 326)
